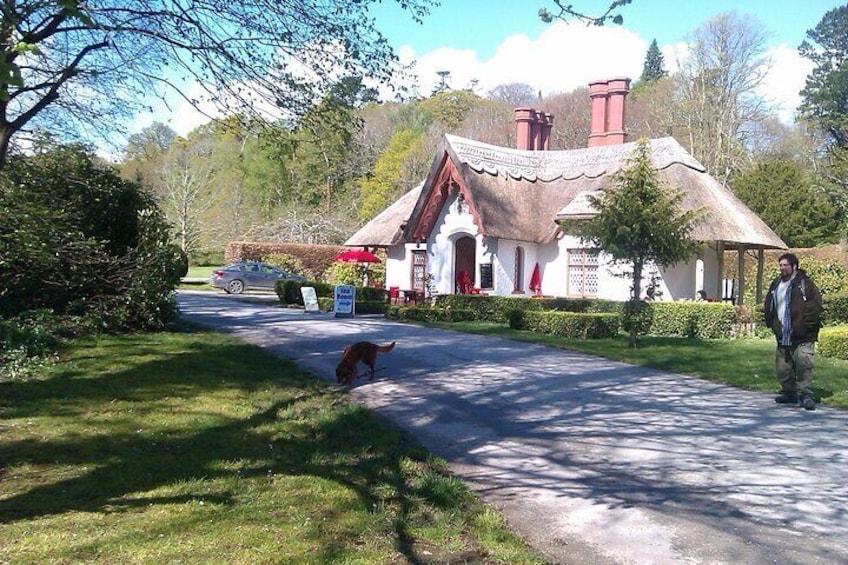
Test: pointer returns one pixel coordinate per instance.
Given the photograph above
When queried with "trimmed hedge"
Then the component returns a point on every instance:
(835, 309)
(833, 342)
(689, 319)
(288, 291)
(576, 325)
(497, 308)
(414, 313)
(315, 258)
(362, 307)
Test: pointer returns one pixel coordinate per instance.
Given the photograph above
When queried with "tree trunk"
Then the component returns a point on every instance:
(636, 304)
(5, 138)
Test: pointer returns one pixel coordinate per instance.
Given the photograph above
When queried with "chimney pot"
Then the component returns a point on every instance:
(598, 126)
(617, 91)
(524, 120)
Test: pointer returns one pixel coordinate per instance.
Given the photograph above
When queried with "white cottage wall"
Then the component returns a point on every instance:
(399, 266)
(454, 222)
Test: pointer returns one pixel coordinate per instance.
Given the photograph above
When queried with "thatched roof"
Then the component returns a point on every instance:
(516, 194)
(386, 228)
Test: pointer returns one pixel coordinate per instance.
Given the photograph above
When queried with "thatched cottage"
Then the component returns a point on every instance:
(486, 218)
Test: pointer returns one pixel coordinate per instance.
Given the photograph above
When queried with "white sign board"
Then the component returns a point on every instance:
(345, 301)
(310, 299)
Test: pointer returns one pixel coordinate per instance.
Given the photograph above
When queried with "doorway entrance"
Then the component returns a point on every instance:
(465, 262)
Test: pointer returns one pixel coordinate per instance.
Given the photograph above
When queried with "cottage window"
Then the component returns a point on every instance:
(583, 272)
(419, 268)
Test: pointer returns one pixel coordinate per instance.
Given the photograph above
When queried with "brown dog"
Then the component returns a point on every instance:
(363, 351)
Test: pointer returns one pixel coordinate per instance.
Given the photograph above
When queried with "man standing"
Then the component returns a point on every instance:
(793, 311)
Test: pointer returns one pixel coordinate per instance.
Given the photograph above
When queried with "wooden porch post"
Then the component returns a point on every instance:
(720, 270)
(760, 262)
(740, 291)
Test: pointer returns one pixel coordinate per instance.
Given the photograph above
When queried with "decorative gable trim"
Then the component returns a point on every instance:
(448, 182)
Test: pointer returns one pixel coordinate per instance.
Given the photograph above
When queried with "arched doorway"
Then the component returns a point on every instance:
(465, 261)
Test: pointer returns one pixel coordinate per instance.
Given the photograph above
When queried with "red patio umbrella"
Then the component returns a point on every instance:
(356, 256)
(536, 281)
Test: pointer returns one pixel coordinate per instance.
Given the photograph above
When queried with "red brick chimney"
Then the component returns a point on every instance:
(532, 129)
(608, 97)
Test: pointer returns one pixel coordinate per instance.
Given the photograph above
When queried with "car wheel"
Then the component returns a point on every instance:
(235, 287)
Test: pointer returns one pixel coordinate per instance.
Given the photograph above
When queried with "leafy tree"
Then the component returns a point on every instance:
(515, 94)
(76, 238)
(150, 142)
(451, 107)
(825, 95)
(382, 187)
(654, 67)
(90, 64)
(785, 199)
(639, 223)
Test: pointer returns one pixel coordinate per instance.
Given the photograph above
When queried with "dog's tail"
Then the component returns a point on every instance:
(386, 348)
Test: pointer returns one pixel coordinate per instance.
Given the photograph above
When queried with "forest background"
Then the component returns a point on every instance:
(318, 179)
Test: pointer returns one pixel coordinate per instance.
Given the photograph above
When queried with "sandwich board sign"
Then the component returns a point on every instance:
(345, 301)
(310, 299)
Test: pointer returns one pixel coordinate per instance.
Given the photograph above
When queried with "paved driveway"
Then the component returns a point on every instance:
(591, 461)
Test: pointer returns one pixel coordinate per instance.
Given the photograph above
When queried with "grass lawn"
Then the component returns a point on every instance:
(745, 363)
(196, 448)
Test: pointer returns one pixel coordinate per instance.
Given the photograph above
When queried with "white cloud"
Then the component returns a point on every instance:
(565, 56)
(784, 82)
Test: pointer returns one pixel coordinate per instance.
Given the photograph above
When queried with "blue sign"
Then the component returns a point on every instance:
(345, 301)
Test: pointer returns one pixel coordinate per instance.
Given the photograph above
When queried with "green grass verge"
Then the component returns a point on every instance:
(196, 448)
(744, 363)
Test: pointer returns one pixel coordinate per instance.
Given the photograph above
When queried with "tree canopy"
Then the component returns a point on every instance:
(654, 67)
(639, 223)
(785, 200)
(825, 95)
(94, 63)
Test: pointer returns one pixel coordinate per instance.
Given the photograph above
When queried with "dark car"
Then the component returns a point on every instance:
(239, 277)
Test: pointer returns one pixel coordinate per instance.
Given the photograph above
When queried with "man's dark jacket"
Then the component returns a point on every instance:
(805, 306)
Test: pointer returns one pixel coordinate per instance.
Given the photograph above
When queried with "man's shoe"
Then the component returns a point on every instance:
(786, 398)
(808, 403)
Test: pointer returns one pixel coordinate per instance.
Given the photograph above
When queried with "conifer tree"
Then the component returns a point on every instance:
(654, 67)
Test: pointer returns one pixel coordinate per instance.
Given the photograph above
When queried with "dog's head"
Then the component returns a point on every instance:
(345, 372)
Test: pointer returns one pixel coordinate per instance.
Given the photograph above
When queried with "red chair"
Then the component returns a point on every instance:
(394, 295)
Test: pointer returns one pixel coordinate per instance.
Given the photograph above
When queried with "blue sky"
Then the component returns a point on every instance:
(452, 23)
(485, 43)
(491, 42)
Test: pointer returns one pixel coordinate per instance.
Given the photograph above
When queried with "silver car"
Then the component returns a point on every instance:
(239, 277)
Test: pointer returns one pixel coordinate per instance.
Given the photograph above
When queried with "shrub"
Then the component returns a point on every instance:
(414, 313)
(690, 319)
(833, 342)
(574, 325)
(498, 308)
(288, 292)
(76, 238)
(835, 309)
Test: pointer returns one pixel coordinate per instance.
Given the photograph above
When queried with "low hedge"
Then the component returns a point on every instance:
(833, 342)
(362, 306)
(497, 308)
(835, 309)
(414, 313)
(709, 320)
(288, 292)
(576, 325)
